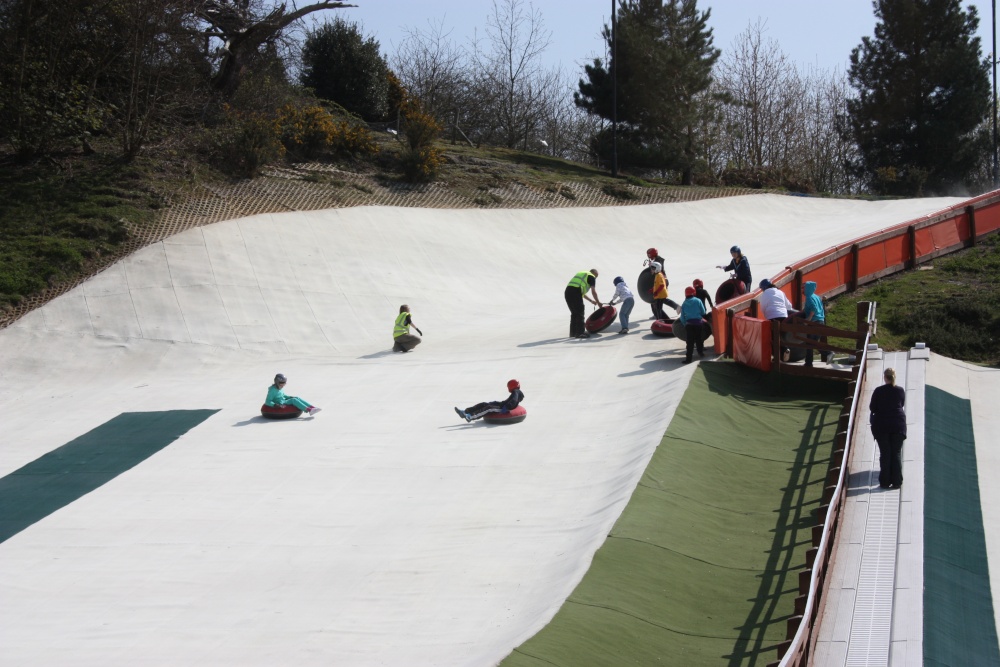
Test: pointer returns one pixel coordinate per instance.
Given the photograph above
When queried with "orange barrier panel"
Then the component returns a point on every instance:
(876, 254)
(752, 342)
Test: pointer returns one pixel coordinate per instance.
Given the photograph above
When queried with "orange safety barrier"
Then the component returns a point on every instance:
(860, 261)
(752, 342)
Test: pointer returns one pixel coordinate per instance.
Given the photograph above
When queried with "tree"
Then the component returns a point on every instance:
(431, 68)
(243, 27)
(921, 90)
(508, 74)
(663, 61)
(344, 67)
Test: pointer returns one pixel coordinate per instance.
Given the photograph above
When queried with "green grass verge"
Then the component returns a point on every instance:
(952, 304)
(702, 566)
(54, 223)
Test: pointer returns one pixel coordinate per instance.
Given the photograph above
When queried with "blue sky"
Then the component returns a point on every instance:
(810, 32)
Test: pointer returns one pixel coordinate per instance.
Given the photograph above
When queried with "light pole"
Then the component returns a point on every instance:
(614, 90)
(996, 160)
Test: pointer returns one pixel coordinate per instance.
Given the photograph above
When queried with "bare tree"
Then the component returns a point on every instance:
(243, 26)
(432, 69)
(766, 92)
(508, 71)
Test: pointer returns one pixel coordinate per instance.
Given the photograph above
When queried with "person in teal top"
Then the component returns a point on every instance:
(692, 316)
(276, 397)
(812, 311)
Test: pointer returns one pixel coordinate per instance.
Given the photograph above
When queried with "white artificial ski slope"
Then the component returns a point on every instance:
(385, 531)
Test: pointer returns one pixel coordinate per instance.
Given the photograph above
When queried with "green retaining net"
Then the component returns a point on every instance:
(702, 566)
(959, 627)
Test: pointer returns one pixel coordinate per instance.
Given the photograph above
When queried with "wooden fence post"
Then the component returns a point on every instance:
(911, 236)
(855, 252)
(971, 211)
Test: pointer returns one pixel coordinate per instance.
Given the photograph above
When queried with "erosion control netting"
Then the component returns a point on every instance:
(310, 187)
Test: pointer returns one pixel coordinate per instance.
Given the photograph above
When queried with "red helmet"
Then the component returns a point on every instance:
(512, 385)
(652, 253)
(689, 291)
(697, 283)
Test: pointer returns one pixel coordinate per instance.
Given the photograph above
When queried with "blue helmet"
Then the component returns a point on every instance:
(618, 279)
(736, 248)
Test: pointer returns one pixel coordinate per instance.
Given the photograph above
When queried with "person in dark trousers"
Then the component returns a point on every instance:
(479, 409)
(703, 295)
(693, 319)
(660, 297)
(653, 255)
(403, 340)
(888, 422)
(740, 266)
(813, 312)
(576, 292)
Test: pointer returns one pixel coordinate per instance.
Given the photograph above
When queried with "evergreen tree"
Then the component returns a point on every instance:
(344, 67)
(663, 61)
(922, 90)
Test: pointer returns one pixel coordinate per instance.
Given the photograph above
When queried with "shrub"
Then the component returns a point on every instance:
(248, 142)
(421, 166)
(420, 159)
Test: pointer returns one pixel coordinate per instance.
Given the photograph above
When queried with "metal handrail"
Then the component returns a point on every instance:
(796, 650)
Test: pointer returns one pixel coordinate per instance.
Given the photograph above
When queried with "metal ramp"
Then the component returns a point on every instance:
(873, 607)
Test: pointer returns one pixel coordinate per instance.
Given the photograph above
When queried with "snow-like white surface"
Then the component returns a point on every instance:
(385, 531)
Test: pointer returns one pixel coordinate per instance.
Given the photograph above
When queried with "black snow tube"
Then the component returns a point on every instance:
(789, 353)
(662, 328)
(601, 319)
(515, 416)
(729, 289)
(280, 412)
(644, 285)
(681, 331)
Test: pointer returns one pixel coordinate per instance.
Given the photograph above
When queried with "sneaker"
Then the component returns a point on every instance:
(462, 414)
(398, 348)
(623, 331)
(313, 410)
(584, 335)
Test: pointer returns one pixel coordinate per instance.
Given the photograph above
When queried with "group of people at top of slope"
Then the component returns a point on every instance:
(692, 312)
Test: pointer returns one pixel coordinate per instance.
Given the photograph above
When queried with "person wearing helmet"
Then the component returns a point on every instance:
(624, 296)
(576, 292)
(276, 397)
(402, 339)
(486, 407)
(774, 305)
(660, 292)
(693, 320)
(702, 294)
(740, 265)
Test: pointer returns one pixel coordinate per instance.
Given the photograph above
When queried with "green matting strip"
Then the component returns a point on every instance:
(702, 566)
(56, 479)
(959, 627)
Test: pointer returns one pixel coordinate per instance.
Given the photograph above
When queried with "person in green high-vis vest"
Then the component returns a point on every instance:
(576, 292)
(403, 340)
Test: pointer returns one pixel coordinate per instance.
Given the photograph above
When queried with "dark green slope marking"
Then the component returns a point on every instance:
(959, 627)
(702, 566)
(56, 479)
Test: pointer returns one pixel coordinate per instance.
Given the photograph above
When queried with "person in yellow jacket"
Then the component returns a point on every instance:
(403, 340)
(576, 292)
(660, 292)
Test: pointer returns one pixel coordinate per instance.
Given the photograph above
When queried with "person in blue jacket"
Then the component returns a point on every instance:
(740, 266)
(486, 407)
(812, 311)
(276, 397)
(693, 319)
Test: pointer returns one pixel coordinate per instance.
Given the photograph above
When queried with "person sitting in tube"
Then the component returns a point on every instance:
(479, 410)
(276, 397)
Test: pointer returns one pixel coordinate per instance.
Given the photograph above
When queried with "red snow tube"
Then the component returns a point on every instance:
(644, 285)
(729, 289)
(662, 328)
(601, 319)
(515, 416)
(681, 331)
(280, 411)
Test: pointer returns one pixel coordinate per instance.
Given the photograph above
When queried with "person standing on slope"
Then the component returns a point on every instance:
(576, 292)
